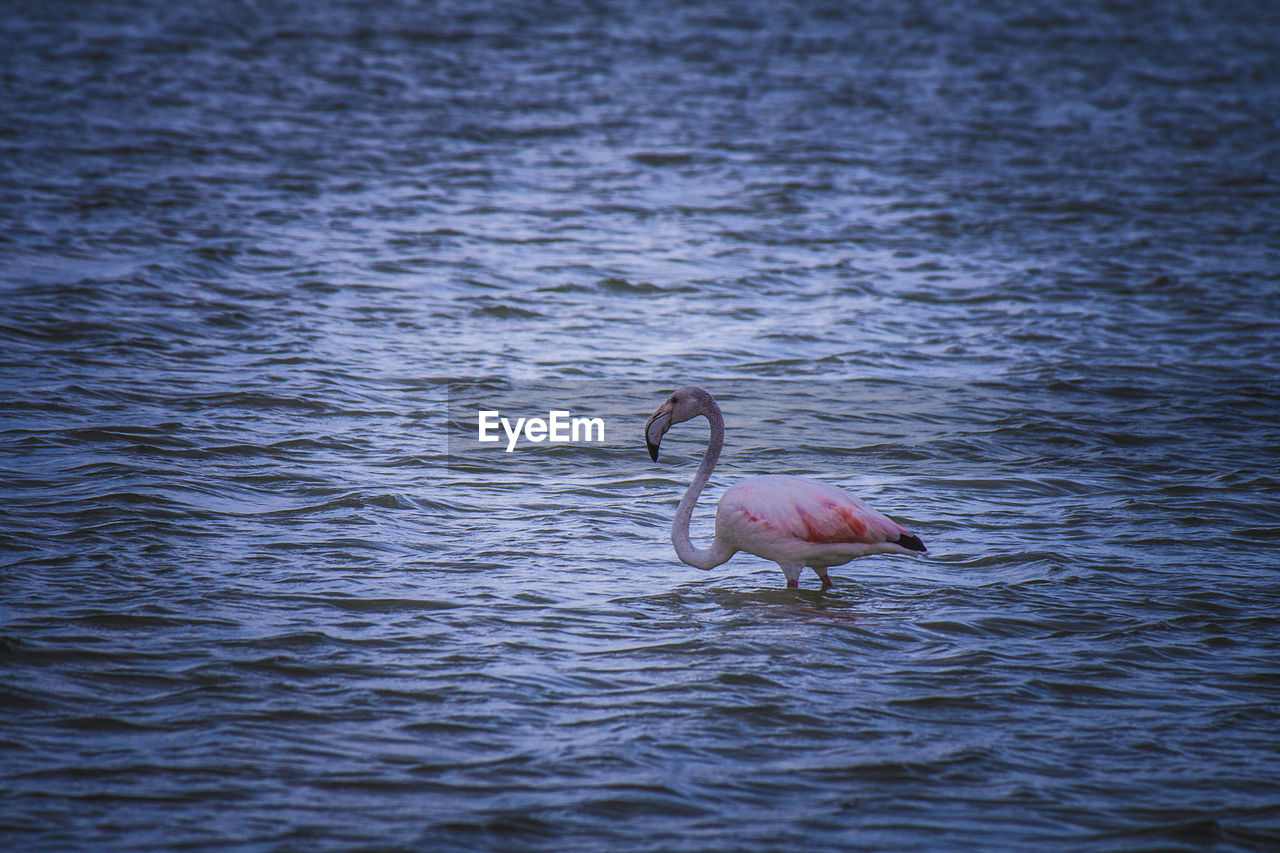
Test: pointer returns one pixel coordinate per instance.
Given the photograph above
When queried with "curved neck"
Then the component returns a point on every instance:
(719, 552)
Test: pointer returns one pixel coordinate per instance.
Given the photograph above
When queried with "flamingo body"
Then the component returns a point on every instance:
(794, 521)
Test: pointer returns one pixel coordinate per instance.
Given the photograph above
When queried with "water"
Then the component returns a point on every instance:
(1007, 271)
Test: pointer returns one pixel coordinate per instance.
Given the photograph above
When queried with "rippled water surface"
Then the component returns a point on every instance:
(1008, 271)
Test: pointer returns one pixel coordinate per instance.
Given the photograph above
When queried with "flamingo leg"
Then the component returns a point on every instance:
(826, 578)
(792, 572)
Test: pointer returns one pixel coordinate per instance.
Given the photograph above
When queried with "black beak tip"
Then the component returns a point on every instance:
(653, 451)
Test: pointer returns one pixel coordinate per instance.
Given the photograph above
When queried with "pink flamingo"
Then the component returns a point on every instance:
(794, 521)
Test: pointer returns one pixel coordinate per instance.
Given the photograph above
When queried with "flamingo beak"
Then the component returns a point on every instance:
(655, 428)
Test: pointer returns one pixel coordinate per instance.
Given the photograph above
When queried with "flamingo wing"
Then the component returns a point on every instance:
(813, 512)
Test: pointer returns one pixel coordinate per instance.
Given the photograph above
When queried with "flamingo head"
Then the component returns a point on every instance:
(685, 403)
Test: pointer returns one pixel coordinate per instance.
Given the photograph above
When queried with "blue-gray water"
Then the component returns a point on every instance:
(1009, 271)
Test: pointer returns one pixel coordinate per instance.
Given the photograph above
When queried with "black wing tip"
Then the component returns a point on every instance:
(911, 542)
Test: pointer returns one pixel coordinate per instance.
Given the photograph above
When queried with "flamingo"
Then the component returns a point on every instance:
(794, 521)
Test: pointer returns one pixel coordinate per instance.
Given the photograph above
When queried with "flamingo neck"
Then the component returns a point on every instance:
(720, 551)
